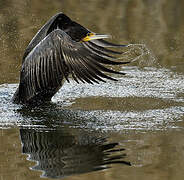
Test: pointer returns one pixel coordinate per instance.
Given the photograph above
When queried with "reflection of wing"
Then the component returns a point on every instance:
(55, 57)
(59, 153)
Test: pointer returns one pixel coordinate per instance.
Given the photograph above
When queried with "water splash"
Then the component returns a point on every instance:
(140, 53)
(144, 99)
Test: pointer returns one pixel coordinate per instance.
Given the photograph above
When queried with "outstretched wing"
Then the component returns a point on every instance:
(57, 56)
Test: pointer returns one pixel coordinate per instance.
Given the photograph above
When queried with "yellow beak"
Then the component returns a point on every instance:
(92, 36)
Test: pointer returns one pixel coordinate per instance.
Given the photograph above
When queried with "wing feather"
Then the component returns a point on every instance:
(57, 56)
(97, 51)
(102, 49)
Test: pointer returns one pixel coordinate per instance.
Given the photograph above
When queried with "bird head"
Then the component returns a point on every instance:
(76, 31)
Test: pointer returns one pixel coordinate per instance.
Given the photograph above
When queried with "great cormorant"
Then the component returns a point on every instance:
(60, 48)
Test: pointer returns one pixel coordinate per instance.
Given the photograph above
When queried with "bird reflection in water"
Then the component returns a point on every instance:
(61, 153)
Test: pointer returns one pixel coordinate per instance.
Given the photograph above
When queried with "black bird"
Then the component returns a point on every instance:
(63, 47)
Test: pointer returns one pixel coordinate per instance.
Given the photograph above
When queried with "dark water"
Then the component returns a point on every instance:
(130, 129)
